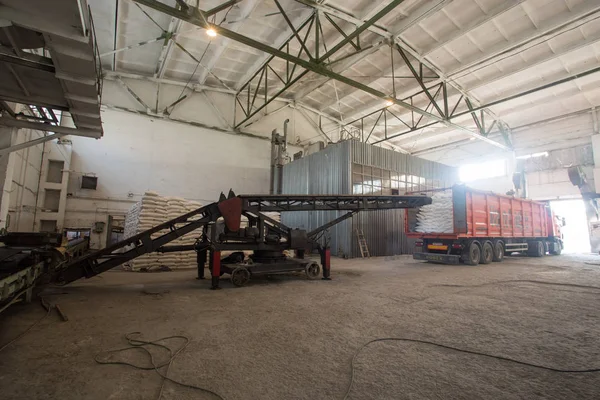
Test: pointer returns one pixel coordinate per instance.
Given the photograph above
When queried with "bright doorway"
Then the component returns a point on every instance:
(575, 232)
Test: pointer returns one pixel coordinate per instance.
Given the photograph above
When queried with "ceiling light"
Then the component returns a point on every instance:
(471, 138)
(211, 32)
(389, 103)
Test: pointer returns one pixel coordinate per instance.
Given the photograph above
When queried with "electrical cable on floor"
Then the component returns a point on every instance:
(49, 309)
(14, 299)
(398, 339)
(138, 344)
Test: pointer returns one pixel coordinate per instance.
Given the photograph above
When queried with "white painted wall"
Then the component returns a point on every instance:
(24, 188)
(552, 185)
(140, 153)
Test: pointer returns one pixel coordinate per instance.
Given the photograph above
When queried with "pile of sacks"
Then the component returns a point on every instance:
(437, 216)
(154, 210)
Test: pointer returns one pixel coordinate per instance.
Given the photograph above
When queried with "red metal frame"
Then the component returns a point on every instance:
(517, 218)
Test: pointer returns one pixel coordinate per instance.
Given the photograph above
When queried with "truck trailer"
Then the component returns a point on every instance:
(485, 227)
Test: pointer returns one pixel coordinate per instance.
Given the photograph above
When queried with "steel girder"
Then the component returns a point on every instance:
(304, 61)
(433, 97)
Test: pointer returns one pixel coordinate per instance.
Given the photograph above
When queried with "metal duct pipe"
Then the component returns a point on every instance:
(285, 134)
(282, 148)
(273, 161)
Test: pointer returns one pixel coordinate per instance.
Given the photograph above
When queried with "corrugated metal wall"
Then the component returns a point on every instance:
(325, 172)
(384, 229)
(329, 172)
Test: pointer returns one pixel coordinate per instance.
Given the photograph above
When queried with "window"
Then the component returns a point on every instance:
(47, 225)
(373, 180)
(89, 182)
(55, 171)
(488, 169)
(51, 200)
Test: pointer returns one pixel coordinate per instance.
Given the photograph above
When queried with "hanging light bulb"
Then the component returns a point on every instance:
(389, 103)
(211, 32)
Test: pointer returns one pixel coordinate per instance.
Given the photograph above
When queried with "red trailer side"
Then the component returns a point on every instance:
(486, 227)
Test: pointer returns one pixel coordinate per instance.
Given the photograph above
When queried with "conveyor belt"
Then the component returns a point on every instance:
(283, 202)
(143, 242)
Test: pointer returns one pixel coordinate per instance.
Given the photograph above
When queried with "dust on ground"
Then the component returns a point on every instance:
(290, 338)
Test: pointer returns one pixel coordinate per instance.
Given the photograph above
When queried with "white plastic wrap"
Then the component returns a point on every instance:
(437, 216)
(154, 210)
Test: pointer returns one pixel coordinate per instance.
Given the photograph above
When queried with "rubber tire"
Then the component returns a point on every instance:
(472, 255)
(537, 249)
(312, 270)
(557, 252)
(498, 251)
(487, 253)
(240, 276)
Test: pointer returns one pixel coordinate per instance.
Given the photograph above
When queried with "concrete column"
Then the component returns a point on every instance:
(7, 137)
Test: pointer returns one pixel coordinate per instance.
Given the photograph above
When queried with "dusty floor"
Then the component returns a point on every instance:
(290, 338)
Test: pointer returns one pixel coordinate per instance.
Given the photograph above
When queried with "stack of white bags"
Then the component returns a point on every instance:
(437, 216)
(154, 210)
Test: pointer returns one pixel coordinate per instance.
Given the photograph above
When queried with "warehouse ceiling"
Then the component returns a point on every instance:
(49, 63)
(420, 75)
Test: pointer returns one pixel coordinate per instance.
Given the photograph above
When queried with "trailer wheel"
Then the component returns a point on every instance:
(537, 249)
(558, 247)
(487, 253)
(240, 276)
(498, 251)
(313, 270)
(472, 254)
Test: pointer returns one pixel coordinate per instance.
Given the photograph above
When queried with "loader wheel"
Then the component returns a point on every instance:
(498, 251)
(240, 276)
(487, 253)
(313, 270)
(472, 254)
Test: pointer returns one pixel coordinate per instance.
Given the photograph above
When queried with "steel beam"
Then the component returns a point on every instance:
(133, 94)
(114, 76)
(221, 7)
(249, 7)
(30, 143)
(261, 62)
(15, 123)
(527, 92)
(33, 100)
(308, 65)
(417, 15)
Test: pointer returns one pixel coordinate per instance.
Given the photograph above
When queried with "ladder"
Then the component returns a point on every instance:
(362, 243)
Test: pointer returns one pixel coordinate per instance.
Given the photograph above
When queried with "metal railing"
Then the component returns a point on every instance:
(97, 60)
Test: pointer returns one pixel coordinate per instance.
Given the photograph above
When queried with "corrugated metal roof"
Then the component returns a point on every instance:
(491, 49)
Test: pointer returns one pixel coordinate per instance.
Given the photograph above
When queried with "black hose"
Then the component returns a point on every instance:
(398, 339)
(138, 344)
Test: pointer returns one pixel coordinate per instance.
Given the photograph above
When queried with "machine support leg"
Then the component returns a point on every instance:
(201, 260)
(215, 271)
(326, 262)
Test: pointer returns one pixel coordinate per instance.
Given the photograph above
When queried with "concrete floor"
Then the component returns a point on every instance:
(289, 338)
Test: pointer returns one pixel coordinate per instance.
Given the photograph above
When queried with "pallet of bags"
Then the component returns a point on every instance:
(152, 211)
(437, 217)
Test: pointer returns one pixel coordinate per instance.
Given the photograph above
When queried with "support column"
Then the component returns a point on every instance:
(326, 262)
(6, 173)
(215, 270)
(201, 256)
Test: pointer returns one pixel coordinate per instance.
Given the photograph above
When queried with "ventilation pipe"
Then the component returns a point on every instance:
(278, 152)
(273, 160)
(281, 155)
